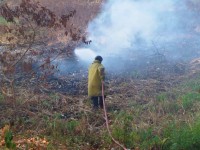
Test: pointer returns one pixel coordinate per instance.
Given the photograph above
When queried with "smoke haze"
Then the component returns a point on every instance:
(131, 27)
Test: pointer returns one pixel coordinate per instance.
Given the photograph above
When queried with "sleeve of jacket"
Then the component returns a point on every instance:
(101, 72)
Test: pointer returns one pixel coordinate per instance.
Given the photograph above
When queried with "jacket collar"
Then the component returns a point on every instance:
(96, 61)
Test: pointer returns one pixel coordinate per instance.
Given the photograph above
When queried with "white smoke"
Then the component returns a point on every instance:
(134, 28)
(85, 54)
(123, 22)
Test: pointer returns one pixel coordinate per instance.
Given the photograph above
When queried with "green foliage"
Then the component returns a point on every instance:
(8, 140)
(174, 107)
(168, 106)
(189, 99)
(196, 86)
(63, 130)
(182, 137)
(148, 139)
(2, 21)
(193, 84)
(71, 126)
(161, 97)
(123, 130)
(106, 139)
(125, 133)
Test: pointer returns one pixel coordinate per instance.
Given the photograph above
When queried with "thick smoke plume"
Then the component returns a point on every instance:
(142, 27)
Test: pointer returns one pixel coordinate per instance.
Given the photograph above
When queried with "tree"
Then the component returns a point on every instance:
(28, 38)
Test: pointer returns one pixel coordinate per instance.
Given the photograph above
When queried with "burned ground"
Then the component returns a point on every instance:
(65, 99)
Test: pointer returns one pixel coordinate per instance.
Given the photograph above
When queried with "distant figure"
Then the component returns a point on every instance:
(96, 76)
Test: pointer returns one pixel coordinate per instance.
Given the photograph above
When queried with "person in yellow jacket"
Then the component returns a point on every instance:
(96, 76)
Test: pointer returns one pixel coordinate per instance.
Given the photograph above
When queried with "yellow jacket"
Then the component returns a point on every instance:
(95, 77)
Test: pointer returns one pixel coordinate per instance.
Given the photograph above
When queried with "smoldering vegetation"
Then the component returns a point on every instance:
(140, 40)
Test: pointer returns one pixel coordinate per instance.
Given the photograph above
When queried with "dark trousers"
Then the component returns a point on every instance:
(97, 101)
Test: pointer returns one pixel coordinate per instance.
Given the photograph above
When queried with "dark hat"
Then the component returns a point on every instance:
(99, 58)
